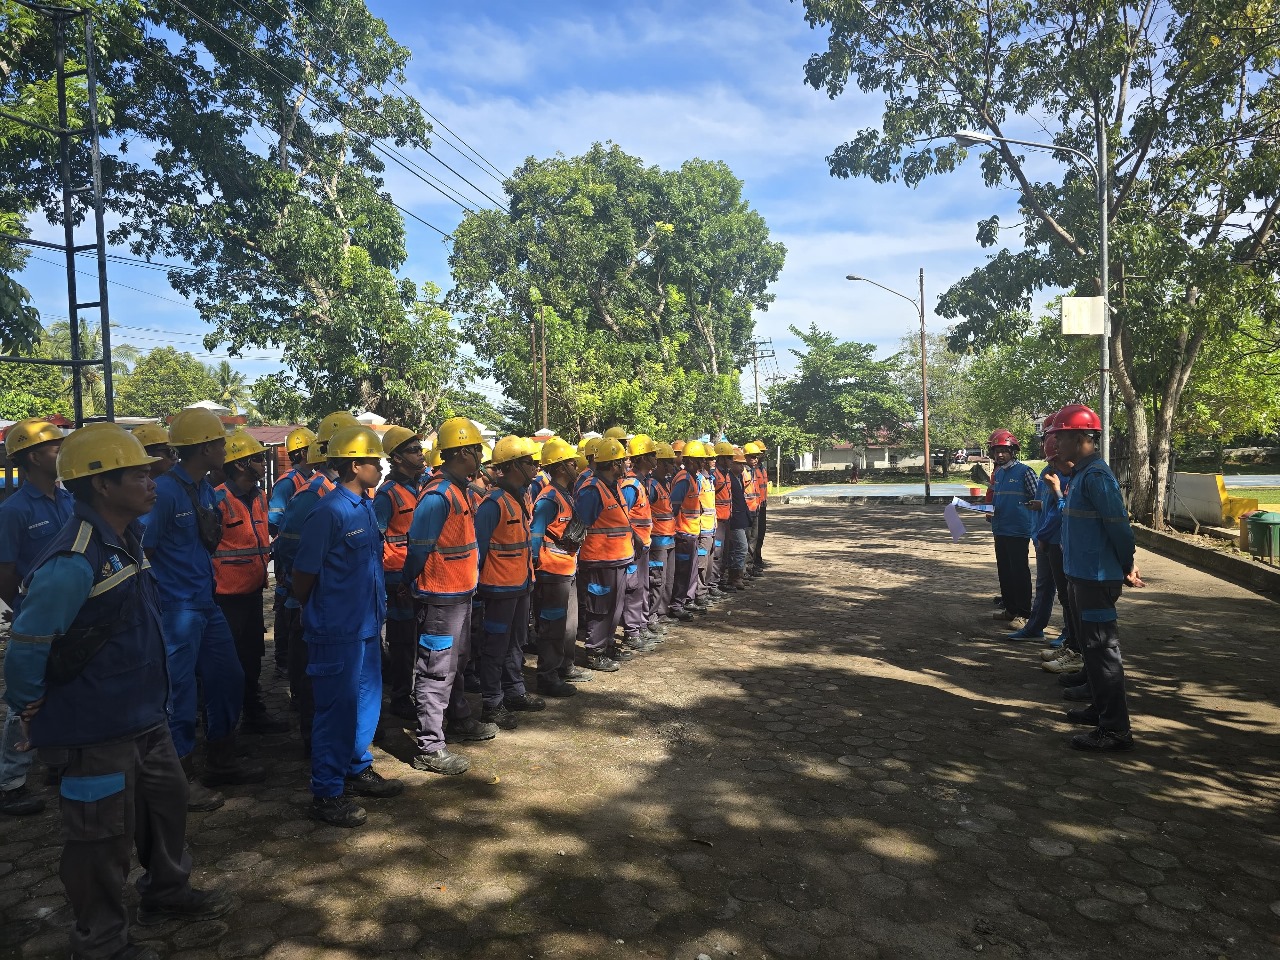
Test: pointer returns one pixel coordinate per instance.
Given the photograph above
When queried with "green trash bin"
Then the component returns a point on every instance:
(1264, 536)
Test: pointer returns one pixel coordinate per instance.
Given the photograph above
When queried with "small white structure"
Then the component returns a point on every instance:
(211, 406)
(370, 419)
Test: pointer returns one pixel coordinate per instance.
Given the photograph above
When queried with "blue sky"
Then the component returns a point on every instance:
(666, 81)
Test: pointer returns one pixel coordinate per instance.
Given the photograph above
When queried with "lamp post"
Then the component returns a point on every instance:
(924, 367)
(1101, 171)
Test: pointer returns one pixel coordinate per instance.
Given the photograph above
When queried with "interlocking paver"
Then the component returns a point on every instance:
(845, 761)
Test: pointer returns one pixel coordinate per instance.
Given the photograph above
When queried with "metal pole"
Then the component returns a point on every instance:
(755, 373)
(68, 223)
(542, 317)
(924, 391)
(1104, 269)
(104, 316)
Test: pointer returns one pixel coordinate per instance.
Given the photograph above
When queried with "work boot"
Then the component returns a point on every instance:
(500, 717)
(575, 674)
(601, 664)
(470, 729)
(258, 721)
(200, 798)
(1078, 694)
(223, 766)
(370, 783)
(649, 635)
(1003, 614)
(556, 688)
(659, 628)
(1102, 741)
(619, 654)
(339, 811)
(193, 905)
(1073, 679)
(638, 643)
(442, 762)
(402, 708)
(682, 616)
(1069, 662)
(1086, 716)
(20, 802)
(527, 702)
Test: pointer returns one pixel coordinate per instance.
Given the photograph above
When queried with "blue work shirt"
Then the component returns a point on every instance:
(182, 566)
(1013, 487)
(1050, 528)
(281, 493)
(1097, 540)
(545, 512)
(28, 521)
(341, 545)
(53, 599)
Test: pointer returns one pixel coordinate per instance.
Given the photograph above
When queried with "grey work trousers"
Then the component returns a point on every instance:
(117, 797)
(502, 637)
(685, 590)
(555, 605)
(603, 600)
(635, 604)
(719, 554)
(706, 558)
(662, 577)
(1093, 607)
(444, 646)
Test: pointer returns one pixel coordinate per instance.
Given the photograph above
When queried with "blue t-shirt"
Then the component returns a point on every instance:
(182, 566)
(341, 544)
(28, 521)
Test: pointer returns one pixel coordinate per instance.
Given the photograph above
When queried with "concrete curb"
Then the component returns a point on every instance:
(1250, 574)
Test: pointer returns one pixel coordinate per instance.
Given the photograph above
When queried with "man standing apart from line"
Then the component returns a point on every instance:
(86, 668)
(29, 519)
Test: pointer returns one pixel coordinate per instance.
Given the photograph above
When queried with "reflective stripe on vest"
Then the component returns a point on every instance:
(664, 518)
(689, 520)
(762, 483)
(552, 558)
(508, 562)
(724, 495)
(706, 503)
(451, 567)
(240, 562)
(641, 512)
(395, 542)
(609, 538)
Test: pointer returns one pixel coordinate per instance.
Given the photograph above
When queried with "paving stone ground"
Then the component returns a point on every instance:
(843, 762)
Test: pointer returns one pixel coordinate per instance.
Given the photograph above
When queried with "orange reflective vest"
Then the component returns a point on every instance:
(689, 519)
(609, 538)
(750, 490)
(508, 562)
(724, 495)
(641, 511)
(240, 562)
(477, 490)
(552, 558)
(707, 503)
(762, 482)
(395, 541)
(452, 565)
(664, 517)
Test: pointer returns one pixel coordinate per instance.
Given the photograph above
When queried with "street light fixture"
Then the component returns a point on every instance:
(1101, 177)
(924, 369)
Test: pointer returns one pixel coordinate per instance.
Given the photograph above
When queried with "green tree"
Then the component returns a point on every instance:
(163, 382)
(841, 393)
(1186, 97)
(232, 390)
(32, 390)
(277, 401)
(57, 344)
(957, 414)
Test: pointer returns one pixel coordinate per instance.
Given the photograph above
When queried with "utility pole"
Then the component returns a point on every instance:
(760, 350)
(924, 391)
(542, 318)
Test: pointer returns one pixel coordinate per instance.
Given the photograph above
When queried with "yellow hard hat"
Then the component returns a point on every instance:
(334, 422)
(457, 432)
(666, 452)
(696, 449)
(511, 448)
(581, 461)
(582, 445)
(608, 450)
(355, 442)
(593, 445)
(486, 452)
(100, 448)
(760, 444)
(298, 438)
(436, 460)
(641, 444)
(26, 434)
(752, 447)
(151, 434)
(739, 456)
(724, 449)
(315, 454)
(241, 445)
(556, 451)
(678, 446)
(615, 433)
(195, 425)
(396, 437)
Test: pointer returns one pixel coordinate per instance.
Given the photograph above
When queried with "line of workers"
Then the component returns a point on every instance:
(135, 566)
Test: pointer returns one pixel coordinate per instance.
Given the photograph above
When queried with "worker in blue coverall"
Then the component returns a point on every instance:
(1013, 522)
(296, 444)
(29, 519)
(337, 577)
(1098, 555)
(86, 669)
(182, 532)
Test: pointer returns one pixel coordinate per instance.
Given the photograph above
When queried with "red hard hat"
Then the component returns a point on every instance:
(1002, 438)
(1076, 416)
(1050, 446)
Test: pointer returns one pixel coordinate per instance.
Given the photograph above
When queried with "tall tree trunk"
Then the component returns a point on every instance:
(1171, 398)
(1140, 489)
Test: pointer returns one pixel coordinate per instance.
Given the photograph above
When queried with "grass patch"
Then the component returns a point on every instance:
(1261, 494)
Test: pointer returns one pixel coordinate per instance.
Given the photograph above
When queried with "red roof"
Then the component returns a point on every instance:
(270, 436)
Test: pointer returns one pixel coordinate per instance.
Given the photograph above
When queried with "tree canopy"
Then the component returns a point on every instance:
(163, 382)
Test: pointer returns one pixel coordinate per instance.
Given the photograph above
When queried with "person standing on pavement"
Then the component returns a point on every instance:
(86, 669)
(182, 532)
(760, 470)
(706, 595)
(1062, 658)
(751, 493)
(442, 564)
(240, 570)
(687, 490)
(639, 633)
(283, 490)
(717, 567)
(607, 552)
(393, 506)
(662, 561)
(29, 520)
(1013, 486)
(506, 582)
(735, 547)
(555, 557)
(1098, 557)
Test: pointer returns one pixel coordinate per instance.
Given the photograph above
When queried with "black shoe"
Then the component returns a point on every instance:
(470, 729)
(370, 783)
(1073, 679)
(602, 664)
(639, 644)
(619, 655)
(1103, 741)
(575, 674)
(195, 905)
(20, 802)
(997, 601)
(263, 724)
(339, 811)
(500, 717)
(1078, 694)
(557, 688)
(700, 605)
(223, 765)
(681, 616)
(1083, 716)
(658, 629)
(526, 701)
(667, 619)
(402, 709)
(442, 762)
(652, 636)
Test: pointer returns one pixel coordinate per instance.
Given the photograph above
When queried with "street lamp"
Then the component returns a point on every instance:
(1101, 177)
(924, 369)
